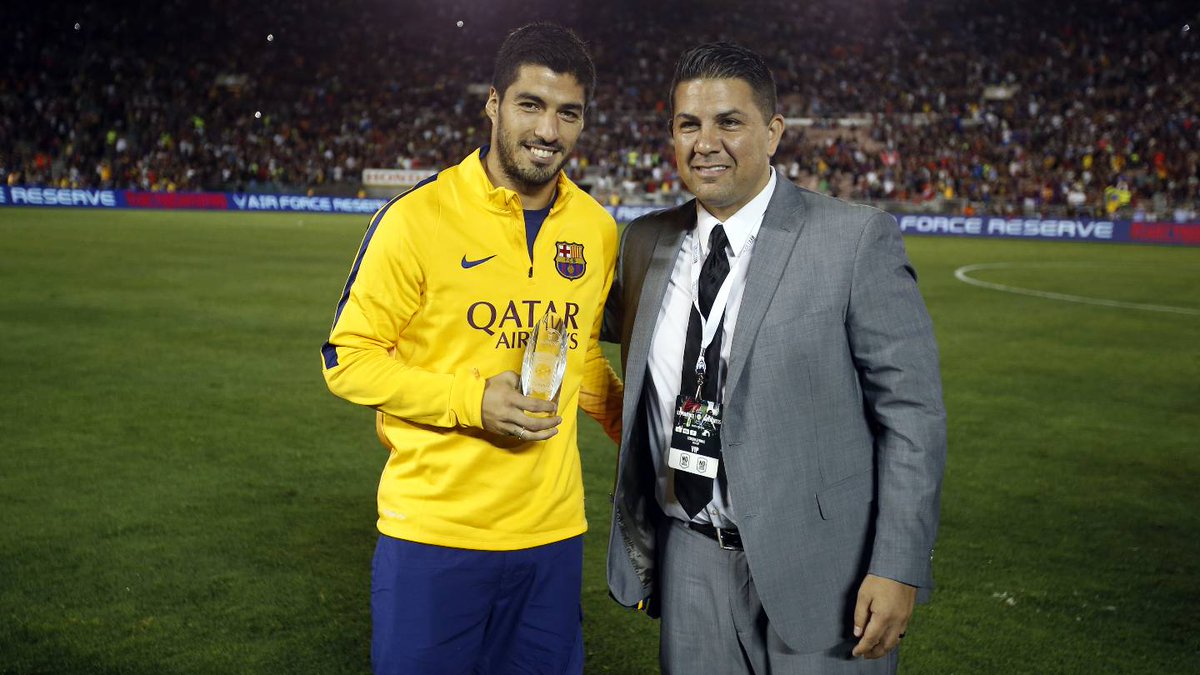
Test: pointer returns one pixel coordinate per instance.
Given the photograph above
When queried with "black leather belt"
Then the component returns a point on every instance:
(729, 540)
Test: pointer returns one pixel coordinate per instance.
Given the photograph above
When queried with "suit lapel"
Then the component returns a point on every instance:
(654, 290)
(781, 226)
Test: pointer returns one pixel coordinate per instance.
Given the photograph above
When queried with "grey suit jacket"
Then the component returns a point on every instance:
(834, 437)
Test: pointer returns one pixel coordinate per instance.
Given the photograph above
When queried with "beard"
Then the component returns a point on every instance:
(517, 167)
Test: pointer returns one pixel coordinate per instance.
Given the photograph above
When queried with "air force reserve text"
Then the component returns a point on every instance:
(1033, 228)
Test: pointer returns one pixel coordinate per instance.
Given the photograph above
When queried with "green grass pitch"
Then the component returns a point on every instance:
(180, 494)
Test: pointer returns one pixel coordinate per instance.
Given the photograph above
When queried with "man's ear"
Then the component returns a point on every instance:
(774, 133)
(492, 107)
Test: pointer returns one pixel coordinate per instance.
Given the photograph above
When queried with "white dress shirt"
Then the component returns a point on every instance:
(670, 334)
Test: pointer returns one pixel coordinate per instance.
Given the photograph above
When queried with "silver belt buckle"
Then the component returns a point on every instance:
(721, 540)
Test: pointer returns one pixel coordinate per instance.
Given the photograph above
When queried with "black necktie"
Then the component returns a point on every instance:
(695, 492)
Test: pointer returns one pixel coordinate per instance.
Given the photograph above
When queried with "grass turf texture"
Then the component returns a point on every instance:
(180, 494)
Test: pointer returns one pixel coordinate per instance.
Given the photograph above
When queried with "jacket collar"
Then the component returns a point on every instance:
(502, 199)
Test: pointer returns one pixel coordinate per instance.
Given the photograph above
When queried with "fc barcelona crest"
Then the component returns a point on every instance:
(568, 260)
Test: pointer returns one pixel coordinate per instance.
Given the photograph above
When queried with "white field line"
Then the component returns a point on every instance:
(962, 275)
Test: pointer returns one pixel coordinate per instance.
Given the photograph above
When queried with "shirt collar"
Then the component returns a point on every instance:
(740, 226)
(503, 199)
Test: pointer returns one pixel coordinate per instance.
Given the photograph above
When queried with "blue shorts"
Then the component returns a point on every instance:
(450, 610)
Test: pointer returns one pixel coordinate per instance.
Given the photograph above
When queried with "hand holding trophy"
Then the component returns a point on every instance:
(529, 414)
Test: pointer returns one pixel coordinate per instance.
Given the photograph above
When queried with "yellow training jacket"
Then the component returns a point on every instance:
(441, 297)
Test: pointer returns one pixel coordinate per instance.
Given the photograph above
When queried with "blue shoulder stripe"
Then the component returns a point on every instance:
(327, 350)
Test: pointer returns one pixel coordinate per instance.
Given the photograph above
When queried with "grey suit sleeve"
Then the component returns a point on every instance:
(614, 310)
(897, 359)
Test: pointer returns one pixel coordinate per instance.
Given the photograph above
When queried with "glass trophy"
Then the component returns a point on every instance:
(545, 358)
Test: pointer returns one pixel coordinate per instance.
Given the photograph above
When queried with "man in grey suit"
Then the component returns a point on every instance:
(784, 436)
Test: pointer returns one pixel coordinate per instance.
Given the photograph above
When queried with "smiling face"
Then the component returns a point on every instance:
(723, 144)
(535, 125)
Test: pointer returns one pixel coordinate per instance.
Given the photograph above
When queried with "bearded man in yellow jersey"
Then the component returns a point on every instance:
(479, 560)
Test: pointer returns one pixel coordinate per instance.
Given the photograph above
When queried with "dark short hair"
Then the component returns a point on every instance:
(727, 61)
(544, 44)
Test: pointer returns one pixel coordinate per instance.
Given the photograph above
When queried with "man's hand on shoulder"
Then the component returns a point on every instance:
(505, 410)
(881, 615)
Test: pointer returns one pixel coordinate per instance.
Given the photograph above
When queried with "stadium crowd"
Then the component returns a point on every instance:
(1077, 107)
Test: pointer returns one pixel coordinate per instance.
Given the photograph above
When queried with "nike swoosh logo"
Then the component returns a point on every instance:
(468, 264)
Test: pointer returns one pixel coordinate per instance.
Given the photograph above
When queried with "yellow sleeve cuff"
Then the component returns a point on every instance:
(466, 398)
